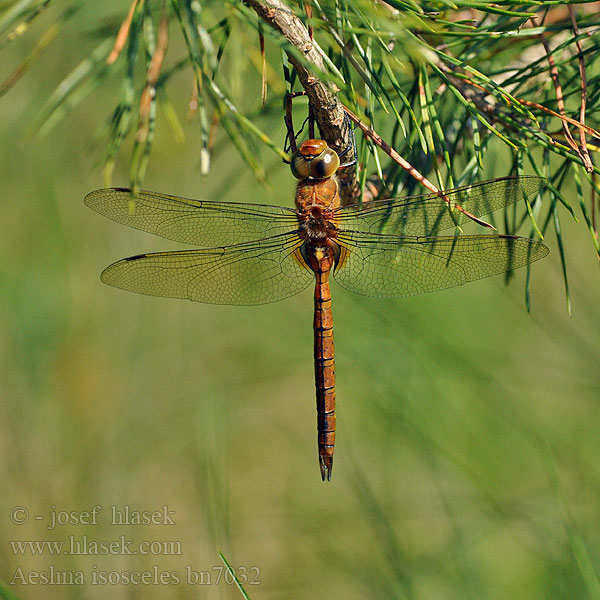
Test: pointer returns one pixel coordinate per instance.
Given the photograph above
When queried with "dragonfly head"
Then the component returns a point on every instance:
(314, 159)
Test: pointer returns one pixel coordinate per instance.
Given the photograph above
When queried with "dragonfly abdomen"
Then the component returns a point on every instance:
(324, 372)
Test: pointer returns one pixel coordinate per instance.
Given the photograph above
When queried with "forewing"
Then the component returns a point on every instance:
(250, 273)
(198, 222)
(429, 213)
(395, 266)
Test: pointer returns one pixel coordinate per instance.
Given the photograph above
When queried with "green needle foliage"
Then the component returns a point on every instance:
(455, 87)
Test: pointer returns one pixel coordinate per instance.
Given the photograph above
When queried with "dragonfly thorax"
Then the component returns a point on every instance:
(314, 192)
(317, 227)
(315, 205)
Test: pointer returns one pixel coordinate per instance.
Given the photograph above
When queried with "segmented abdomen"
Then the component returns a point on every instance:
(324, 373)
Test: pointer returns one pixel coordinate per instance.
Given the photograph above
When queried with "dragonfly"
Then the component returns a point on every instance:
(250, 254)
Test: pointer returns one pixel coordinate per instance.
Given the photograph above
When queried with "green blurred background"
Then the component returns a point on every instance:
(467, 452)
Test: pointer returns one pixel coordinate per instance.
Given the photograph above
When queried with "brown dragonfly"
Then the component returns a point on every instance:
(255, 254)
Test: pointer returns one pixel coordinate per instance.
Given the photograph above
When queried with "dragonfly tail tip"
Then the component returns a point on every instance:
(326, 465)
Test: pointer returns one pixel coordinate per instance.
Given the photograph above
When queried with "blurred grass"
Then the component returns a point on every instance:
(467, 455)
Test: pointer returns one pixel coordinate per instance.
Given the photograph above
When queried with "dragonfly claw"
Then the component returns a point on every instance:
(326, 464)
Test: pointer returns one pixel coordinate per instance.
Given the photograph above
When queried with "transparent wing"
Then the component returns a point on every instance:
(198, 222)
(395, 266)
(427, 214)
(249, 273)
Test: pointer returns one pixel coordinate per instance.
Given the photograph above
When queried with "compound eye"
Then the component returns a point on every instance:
(324, 165)
(300, 166)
